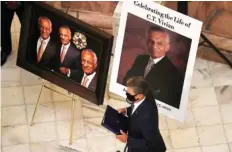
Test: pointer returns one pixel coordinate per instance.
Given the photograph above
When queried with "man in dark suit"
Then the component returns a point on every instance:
(143, 131)
(163, 78)
(44, 49)
(67, 56)
(89, 64)
(8, 9)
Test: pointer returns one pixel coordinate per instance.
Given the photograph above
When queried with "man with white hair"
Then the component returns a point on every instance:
(89, 65)
(67, 60)
(164, 79)
(45, 48)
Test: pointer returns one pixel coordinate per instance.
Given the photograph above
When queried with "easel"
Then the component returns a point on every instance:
(73, 105)
(72, 113)
(182, 7)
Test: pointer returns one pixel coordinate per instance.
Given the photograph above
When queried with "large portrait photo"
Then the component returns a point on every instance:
(65, 51)
(156, 52)
(159, 55)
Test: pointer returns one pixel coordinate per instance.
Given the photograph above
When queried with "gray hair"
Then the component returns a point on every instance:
(138, 84)
(66, 27)
(158, 29)
(45, 18)
(94, 54)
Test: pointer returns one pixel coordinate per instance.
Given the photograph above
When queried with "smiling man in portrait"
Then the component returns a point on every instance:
(68, 56)
(163, 77)
(45, 48)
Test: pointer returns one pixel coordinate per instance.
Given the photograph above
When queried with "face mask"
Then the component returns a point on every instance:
(130, 98)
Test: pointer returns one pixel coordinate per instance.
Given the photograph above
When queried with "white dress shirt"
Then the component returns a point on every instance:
(90, 77)
(156, 60)
(137, 104)
(45, 43)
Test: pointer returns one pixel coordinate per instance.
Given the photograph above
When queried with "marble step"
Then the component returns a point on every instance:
(87, 12)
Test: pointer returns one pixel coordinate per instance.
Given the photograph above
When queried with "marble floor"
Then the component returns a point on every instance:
(207, 128)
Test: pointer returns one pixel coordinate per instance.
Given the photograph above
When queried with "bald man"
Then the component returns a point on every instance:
(67, 55)
(45, 48)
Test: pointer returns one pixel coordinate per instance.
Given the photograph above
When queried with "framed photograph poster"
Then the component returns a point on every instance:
(159, 44)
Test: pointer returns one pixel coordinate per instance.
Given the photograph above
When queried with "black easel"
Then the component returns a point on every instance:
(182, 7)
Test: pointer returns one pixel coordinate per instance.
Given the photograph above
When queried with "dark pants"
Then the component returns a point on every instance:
(7, 16)
(128, 149)
(138, 150)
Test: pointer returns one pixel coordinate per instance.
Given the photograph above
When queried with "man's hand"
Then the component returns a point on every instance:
(123, 137)
(122, 111)
(64, 70)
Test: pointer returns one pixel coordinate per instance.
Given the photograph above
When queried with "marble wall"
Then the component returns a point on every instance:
(216, 18)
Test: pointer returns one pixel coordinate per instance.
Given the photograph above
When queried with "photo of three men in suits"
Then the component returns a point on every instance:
(63, 57)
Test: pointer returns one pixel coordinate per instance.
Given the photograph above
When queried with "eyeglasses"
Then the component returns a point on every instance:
(160, 45)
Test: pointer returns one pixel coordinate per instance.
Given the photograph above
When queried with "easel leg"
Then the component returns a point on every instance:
(72, 112)
(32, 120)
(72, 120)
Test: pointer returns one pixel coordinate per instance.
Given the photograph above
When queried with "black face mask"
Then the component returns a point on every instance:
(130, 98)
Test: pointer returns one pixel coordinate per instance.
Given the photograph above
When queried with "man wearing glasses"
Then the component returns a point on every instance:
(163, 78)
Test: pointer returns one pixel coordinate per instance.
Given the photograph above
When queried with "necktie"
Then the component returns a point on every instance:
(62, 55)
(132, 108)
(86, 79)
(148, 68)
(40, 51)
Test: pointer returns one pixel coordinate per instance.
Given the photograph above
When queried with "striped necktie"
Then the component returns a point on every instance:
(62, 55)
(149, 66)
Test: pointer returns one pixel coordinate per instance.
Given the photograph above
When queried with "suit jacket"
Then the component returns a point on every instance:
(143, 132)
(71, 60)
(164, 79)
(93, 83)
(48, 55)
